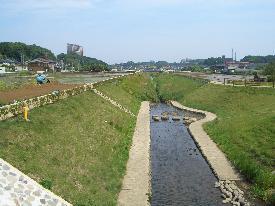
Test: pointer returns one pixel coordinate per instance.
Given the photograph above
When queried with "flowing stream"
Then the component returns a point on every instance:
(180, 174)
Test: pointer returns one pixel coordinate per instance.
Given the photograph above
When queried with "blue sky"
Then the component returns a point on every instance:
(143, 30)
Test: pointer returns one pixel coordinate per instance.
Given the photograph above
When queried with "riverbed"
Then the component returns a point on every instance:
(180, 174)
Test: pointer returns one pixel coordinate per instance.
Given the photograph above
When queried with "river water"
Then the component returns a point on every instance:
(180, 174)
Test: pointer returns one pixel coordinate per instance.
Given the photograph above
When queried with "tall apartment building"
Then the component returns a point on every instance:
(74, 49)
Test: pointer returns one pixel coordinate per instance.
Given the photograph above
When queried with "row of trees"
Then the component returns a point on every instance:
(259, 59)
(17, 50)
(82, 63)
(269, 70)
(213, 61)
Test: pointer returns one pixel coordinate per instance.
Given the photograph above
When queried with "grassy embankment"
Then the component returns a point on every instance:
(130, 91)
(88, 155)
(244, 129)
(78, 147)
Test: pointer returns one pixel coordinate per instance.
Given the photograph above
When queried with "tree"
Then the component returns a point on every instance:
(15, 51)
(82, 63)
(213, 61)
(270, 71)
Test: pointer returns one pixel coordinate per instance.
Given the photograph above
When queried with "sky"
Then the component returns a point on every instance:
(143, 30)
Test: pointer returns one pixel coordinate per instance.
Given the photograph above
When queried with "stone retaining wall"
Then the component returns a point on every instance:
(12, 110)
(18, 189)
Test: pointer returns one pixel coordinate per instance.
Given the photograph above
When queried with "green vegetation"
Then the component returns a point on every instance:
(46, 184)
(170, 87)
(80, 63)
(270, 71)
(89, 156)
(259, 59)
(130, 91)
(15, 50)
(213, 61)
(14, 81)
(77, 147)
(244, 129)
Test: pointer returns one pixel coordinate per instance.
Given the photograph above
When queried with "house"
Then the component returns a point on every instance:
(2, 69)
(41, 64)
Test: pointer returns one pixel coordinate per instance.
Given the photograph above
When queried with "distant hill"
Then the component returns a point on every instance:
(259, 59)
(82, 63)
(15, 50)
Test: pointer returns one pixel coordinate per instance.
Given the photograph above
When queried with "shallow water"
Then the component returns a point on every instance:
(180, 174)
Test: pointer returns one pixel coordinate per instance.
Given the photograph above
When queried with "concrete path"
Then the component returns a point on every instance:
(136, 183)
(215, 157)
(17, 189)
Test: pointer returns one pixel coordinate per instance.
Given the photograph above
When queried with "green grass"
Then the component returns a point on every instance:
(77, 147)
(82, 142)
(170, 87)
(244, 129)
(251, 83)
(130, 91)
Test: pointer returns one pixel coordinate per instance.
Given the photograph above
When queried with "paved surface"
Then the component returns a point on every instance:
(215, 157)
(219, 78)
(136, 182)
(17, 189)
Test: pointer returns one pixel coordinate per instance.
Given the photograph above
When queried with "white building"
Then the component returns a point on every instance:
(2, 69)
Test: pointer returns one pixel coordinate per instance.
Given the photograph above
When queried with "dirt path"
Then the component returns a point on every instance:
(29, 91)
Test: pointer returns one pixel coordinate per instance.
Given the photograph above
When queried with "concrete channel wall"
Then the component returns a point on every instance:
(136, 182)
(217, 160)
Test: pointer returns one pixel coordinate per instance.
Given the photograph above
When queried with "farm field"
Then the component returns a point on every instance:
(81, 78)
(16, 87)
(31, 90)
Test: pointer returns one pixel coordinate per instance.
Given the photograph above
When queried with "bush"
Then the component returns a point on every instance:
(2, 85)
(47, 184)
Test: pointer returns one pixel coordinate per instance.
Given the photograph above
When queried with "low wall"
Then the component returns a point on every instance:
(12, 110)
(217, 160)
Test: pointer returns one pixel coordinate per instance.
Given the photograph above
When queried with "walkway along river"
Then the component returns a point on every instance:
(180, 174)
